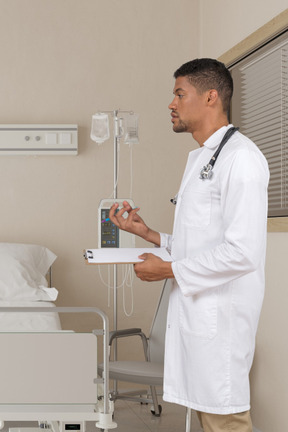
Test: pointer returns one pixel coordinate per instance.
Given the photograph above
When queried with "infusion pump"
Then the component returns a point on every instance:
(109, 235)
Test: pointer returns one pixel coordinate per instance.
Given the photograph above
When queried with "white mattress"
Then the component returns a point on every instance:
(28, 321)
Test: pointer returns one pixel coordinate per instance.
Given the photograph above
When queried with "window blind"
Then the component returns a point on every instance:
(263, 115)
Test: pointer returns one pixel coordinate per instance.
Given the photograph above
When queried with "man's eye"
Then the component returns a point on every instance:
(180, 96)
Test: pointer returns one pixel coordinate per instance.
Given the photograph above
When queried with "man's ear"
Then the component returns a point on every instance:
(212, 96)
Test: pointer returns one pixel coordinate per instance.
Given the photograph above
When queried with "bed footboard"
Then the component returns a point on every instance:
(53, 376)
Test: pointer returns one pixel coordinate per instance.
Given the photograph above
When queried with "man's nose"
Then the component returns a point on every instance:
(172, 105)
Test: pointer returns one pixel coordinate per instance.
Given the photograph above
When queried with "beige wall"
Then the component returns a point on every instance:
(269, 378)
(225, 23)
(62, 61)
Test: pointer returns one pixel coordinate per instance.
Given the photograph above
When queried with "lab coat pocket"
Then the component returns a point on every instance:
(198, 314)
(196, 208)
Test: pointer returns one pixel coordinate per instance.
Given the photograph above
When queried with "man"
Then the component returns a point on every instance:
(218, 250)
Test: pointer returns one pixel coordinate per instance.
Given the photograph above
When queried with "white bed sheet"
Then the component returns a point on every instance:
(28, 321)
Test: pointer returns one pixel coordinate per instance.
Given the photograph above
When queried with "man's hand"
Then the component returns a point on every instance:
(133, 223)
(153, 268)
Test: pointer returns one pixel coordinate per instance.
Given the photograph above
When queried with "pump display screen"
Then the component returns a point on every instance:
(109, 231)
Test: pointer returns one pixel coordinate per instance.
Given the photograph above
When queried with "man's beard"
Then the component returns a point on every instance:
(179, 127)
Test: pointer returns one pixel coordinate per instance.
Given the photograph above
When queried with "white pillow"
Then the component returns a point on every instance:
(22, 272)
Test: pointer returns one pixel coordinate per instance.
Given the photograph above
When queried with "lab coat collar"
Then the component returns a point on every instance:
(214, 140)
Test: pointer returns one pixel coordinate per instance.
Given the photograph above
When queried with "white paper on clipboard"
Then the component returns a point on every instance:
(123, 255)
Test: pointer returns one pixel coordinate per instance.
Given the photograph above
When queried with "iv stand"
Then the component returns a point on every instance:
(115, 196)
(117, 136)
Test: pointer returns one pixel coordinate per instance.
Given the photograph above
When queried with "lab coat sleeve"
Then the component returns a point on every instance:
(243, 189)
(165, 241)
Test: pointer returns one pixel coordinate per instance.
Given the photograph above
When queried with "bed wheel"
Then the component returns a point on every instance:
(1, 424)
(160, 410)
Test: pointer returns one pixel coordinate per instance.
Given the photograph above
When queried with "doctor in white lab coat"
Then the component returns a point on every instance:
(218, 248)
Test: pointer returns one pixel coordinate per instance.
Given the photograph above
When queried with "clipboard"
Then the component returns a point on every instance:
(122, 255)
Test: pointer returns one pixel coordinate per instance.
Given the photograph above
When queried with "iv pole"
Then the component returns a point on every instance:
(117, 134)
(117, 137)
(115, 196)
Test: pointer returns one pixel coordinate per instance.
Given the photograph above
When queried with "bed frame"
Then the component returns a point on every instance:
(52, 377)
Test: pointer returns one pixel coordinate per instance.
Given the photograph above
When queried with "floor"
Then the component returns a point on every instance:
(132, 417)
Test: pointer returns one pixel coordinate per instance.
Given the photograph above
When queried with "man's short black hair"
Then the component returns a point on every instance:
(206, 74)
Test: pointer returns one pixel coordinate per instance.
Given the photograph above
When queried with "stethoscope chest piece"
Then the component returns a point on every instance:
(206, 172)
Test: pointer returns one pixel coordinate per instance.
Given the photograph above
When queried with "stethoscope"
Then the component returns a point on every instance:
(206, 171)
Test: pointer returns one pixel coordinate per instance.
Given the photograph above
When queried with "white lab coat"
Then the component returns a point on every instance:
(218, 249)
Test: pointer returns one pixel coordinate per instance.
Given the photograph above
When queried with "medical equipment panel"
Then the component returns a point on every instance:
(109, 235)
(109, 231)
(38, 139)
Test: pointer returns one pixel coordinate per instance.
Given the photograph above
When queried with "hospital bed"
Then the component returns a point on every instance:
(47, 375)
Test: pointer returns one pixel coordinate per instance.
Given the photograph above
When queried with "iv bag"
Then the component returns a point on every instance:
(100, 128)
(131, 135)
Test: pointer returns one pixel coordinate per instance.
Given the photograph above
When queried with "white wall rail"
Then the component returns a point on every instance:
(38, 139)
